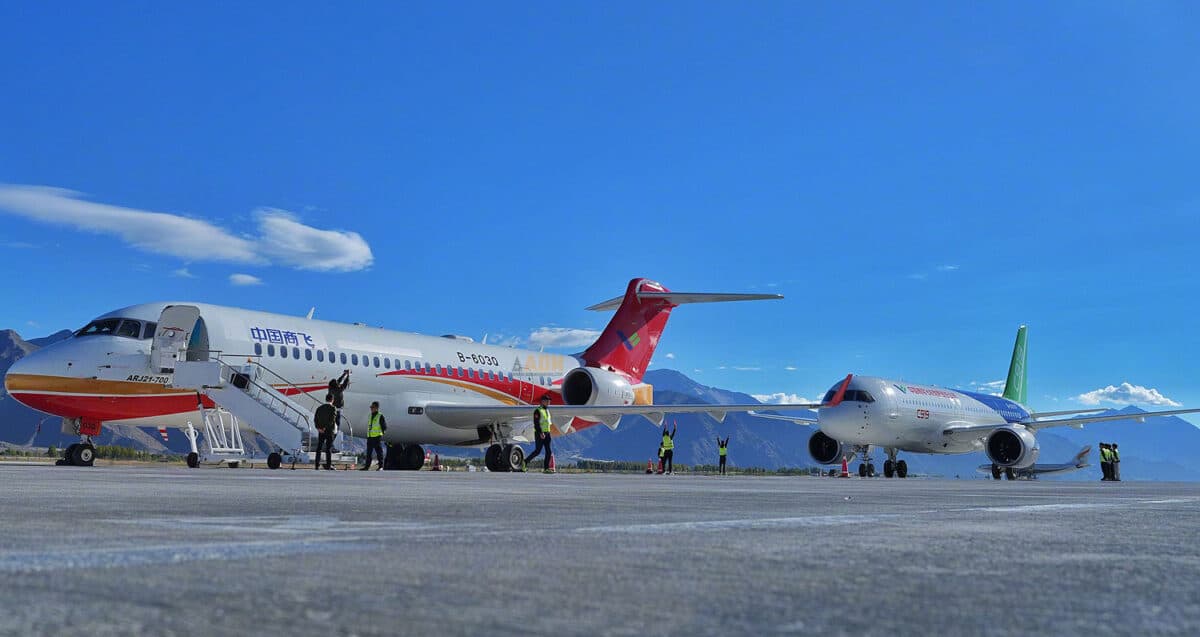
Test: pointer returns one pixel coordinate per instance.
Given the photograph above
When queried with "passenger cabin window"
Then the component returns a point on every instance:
(282, 352)
(354, 359)
(320, 356)
(375, 361)
(270, 350)
(296, 353)
(343, 356)
(308, 354)
(149, 331)
(387, 363)
(258, 349)
(439, 369)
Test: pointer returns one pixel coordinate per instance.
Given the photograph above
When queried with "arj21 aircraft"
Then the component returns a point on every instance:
(167, 364)
(861, 412)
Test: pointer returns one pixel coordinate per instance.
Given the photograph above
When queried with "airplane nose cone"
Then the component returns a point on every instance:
(15, 370)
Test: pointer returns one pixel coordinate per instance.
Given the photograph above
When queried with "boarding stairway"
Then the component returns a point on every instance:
(250, 392)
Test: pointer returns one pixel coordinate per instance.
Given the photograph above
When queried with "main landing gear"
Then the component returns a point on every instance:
(404, 457)
(1009, 473)
(82, 454)
(893, 467)
(501, 458)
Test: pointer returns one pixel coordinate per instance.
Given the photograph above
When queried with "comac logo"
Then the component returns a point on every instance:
(631, 341)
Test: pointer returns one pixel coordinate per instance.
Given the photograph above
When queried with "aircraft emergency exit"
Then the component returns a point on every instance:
(169, 364)
(861, 412)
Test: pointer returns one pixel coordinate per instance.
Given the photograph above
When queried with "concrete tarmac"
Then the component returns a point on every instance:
(172, 551)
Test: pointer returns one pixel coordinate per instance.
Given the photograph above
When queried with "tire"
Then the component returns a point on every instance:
(491, 459)
(1009, 474)
(995, 471)
(901, 469)
(393, 460)
(513, 458)
(193, 460)
(414, 458)
(889, 468)
(273, 460)
(69, 454)
(83, 455)
(871, 470)
(862, 470)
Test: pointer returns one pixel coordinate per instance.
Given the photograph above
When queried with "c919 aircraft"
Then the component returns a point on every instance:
(861, 412)
(167, 364)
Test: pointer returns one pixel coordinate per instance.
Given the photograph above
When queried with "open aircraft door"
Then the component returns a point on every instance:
(176, 325)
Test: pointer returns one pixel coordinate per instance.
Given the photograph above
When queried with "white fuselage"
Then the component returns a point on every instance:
(910, 417)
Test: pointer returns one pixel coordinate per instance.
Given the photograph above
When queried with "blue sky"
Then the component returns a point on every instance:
(917, 179)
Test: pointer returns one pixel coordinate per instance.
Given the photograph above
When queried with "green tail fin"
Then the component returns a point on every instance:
(1014, 387)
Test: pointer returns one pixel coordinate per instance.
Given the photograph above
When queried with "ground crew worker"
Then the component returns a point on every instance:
(541, 432)
(668, 445)
(1105, 462)
(323, 420)
(376, 425)
(337, 387)
(722, 451)
(1115, 455)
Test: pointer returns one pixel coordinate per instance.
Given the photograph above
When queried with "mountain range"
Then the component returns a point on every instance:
(1158, 449)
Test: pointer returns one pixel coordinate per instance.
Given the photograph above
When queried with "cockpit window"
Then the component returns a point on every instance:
(100, 327)
(127, 328)
(857, 395)
(130, 329)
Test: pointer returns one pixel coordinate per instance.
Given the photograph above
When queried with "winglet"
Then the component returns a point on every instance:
(841, 393)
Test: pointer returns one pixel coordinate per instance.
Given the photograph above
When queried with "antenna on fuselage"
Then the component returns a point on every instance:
(310, 313)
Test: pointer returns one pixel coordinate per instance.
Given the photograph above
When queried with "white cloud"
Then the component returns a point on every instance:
(562, 337)
(949, 267)
(244, 279)
(747, 369)
(1127, 394)
(32, 324)
(671, 355)
(19, 245)
(781, 398)
(993, 387)
(183, 273)
(791, 368)
(282, 238)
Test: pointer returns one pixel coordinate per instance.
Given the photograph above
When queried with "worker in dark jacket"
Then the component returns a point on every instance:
(323, 421)
(337, 387)
(541, 432)
(376, 425)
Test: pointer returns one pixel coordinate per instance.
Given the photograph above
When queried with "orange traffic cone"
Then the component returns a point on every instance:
(845, 468)
(649, 466)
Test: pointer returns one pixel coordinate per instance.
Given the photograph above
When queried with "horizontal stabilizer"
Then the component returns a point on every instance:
(681, 298)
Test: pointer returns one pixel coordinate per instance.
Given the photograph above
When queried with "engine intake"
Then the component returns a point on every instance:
(1012, 447)
(824, 449)
(591, 386)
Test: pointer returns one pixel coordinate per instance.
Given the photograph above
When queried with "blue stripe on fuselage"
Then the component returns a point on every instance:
(1009, 410)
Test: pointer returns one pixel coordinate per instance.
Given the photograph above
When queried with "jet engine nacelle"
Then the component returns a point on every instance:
(824, 449)
(1014, 447)
(591, 386)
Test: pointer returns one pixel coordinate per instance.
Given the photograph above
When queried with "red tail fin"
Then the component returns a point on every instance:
(628, 342)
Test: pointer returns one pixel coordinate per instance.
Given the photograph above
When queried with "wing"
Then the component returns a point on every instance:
(959, 431)
(801, 420)
(474, 416)
(679, 298)
(1069, 412)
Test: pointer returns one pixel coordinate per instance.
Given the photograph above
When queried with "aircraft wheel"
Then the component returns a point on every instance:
(414, 458)
(83, 455)
(862, 470)
(513, 458)
(1009, 474)
(193, 460)
(69, 454)
(901, 469)
(273, 460)
(394, 460)
(491, 459)
(995, 471)
(871, 470)
(889, 468)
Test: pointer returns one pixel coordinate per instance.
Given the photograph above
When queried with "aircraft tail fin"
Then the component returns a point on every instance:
(1014, 387)
(628, 342)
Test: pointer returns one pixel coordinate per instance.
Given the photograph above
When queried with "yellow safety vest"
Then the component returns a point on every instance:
(668, 444)
(374, 430)
(544, 422)
(722, 451)
(1114, 455)
(1105, 455)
